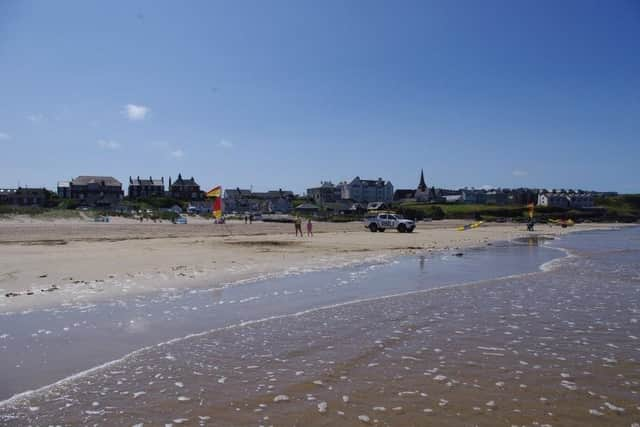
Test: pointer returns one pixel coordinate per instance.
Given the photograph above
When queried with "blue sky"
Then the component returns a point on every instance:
(285, 94)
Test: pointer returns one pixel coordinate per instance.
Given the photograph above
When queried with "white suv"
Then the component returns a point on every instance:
(380, 222)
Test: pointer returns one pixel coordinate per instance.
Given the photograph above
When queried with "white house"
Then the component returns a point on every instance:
(368, 190)
(566, 200)
(554, 200)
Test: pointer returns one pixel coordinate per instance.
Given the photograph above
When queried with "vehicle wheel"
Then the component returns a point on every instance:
(381, 230)
(373, 227)
(402, 228)
(410, 230)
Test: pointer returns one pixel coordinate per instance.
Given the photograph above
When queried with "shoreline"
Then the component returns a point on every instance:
(26, 395)
(46, 276)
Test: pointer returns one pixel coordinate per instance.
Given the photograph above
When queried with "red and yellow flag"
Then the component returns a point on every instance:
(215, 192)
(217, 208)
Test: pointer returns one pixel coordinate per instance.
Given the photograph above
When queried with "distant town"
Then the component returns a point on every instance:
(347, 198)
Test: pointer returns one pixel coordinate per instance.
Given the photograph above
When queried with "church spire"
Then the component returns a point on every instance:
(423, 185)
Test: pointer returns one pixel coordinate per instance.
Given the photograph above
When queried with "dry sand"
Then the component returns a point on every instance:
(48, 263)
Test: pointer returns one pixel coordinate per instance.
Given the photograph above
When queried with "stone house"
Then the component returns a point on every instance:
(185, 189)
(327, 192)
(93, 191)
(146, 188)
(24, 196)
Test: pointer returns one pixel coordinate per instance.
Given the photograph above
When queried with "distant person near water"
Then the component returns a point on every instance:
(309, 228)
(298, 224)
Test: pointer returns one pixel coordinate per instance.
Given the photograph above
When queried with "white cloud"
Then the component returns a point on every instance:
(225, 144)
(4, 136)
(519, 172)
(168, 149)
(136, 112)
(487, 187)
(108, 144)
(35, 118)
(178, 154)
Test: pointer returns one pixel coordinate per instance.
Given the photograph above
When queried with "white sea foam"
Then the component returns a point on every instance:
(556, 263)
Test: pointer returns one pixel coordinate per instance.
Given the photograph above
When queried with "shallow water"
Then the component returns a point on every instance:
(558, 347)
(34, 350)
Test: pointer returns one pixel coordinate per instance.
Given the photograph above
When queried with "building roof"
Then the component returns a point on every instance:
(376, 205)
(184, 182)
(276, 193)
(236, 193)
(272, 194)
(87, 179)
(307, 206)
(140, 182)
(22, 190)
(371, 182)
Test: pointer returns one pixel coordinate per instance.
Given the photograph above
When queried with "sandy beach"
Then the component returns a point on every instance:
(532, 332)
(47, 263)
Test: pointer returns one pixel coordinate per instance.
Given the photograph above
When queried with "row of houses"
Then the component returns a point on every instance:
(24, 196)
(366, 191)
(106, 191)
(352, 196)
(566, 200)
(379, 191)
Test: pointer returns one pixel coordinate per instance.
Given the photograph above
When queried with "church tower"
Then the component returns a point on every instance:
(423, 185)
(422, 192)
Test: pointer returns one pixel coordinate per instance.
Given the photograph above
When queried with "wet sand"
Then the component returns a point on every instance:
(556, 347)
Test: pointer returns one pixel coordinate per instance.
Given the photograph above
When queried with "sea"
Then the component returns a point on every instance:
(535, 332)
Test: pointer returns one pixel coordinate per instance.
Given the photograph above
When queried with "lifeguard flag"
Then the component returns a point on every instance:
(215, 192)
(531, 207)
(217, 208)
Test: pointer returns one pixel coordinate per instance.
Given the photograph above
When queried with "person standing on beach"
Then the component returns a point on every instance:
(298, 224)
(309, 228)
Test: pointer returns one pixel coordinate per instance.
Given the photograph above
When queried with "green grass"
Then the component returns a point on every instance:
(628, 204)
(621, 208)
(38, 212)
(461, 211)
